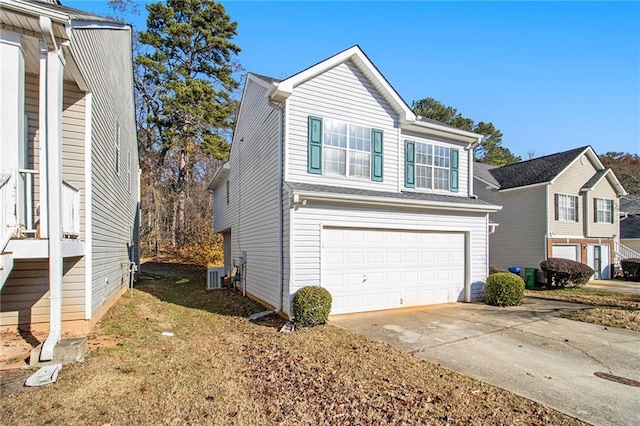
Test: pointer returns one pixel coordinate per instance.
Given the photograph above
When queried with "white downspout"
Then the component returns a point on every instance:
(53, 138)
(88, 208)
(471, 160)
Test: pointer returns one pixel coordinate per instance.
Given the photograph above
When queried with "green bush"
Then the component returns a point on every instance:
(503, 289)
(565, 272)
(631, 269)
(311, 306)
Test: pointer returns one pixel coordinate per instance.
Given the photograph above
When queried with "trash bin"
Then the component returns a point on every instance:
(515, 270)
(530, 277)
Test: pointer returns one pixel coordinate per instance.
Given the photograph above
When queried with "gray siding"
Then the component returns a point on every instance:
(519, 240)
(310, 219)
(342, 93)
(254, 204)
(222, 216)
(104, 57)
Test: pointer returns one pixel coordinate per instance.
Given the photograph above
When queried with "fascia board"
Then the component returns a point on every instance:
(493, 185)
(524, 187)
(219, 176)
(35, 9)
(552, 181)
(439, 130)
(383, 201)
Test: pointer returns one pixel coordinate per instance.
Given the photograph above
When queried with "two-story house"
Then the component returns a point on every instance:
(561, 205)
(68, 167)
(332, 180)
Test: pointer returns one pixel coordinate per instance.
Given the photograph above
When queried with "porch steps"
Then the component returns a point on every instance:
(6, 265)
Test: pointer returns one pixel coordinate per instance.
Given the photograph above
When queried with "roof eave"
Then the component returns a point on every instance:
(219, 176)
(383, 201)
(440, 130)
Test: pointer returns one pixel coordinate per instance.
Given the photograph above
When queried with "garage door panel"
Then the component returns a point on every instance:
(384, 269)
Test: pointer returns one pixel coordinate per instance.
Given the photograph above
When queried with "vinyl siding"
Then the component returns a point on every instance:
(222, 216)
(519, 239)
(310, 219)
(254, 194)
(104, 57)
(342, 93)
(570, 182)
(602, 230)
(25, 296)
(32, 105)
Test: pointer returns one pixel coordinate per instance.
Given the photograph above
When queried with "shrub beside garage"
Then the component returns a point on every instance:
(504, 289)
(565, 272)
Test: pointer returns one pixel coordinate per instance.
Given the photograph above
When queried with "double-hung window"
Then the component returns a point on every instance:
(337, 148)
(566, 208)
(603, 210)
(429, 166)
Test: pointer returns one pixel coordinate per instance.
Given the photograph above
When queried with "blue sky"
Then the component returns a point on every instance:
(550, 75)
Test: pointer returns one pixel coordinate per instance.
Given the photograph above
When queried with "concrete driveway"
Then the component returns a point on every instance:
(527, 350)
(616, 286)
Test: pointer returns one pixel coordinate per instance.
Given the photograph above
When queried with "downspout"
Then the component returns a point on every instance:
(470, 150)
(53, 137)
(88, 207)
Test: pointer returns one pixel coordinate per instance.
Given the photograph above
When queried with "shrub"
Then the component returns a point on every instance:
(565, 272)
(311, 306)
(503, 289)
(631, 269)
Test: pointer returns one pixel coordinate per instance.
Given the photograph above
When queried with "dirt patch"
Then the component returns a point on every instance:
(218, 367)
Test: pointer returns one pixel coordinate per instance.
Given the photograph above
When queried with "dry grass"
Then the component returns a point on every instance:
(611, 309)
(220, 368)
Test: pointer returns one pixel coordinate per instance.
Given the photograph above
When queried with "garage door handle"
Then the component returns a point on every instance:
(364, 278)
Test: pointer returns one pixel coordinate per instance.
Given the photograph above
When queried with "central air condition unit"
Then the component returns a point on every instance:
(214, 277)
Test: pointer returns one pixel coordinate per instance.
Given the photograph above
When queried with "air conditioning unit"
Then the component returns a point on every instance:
(214, 277)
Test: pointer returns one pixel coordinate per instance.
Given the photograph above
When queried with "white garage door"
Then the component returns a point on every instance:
(565, 252)
(370, 269)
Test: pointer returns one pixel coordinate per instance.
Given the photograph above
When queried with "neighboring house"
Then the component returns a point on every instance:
(333, 181)
(69, 166)
(630, 223)
(561, 205)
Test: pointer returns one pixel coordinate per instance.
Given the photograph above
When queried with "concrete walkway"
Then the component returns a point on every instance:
(528, 350)
(616, 286)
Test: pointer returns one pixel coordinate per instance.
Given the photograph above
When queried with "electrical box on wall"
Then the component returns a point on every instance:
(244, 256)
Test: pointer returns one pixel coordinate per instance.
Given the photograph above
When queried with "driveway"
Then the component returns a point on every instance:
(527, 350)
(616, 286)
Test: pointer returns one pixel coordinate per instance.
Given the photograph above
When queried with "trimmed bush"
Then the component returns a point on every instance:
(503, 289)
(631, 269)
(565, 272)
(311, 306)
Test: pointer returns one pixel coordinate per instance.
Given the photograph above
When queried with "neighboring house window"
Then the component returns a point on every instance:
(603, 210)
(430, 166)
(228, 196)
(566, 208)
(338, 148)
(117, 159)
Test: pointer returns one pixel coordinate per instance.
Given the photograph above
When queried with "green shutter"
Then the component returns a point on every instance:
(577, 209)
(377, 163)
(410, 165)
(557, 207)
(595, 210)
(453, 182)
(611, 208)
(314, 151)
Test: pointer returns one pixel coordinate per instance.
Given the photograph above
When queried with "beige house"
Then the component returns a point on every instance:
(562, 205)
(68, 167)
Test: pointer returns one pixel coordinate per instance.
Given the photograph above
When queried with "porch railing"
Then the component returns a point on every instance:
(7, 208)
(624, 252)
(70, 211)
(29, 214)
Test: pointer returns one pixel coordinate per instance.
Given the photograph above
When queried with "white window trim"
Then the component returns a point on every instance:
(117, 146)
(574, 217)
(347, 150)
(433, 167)
(600, 216)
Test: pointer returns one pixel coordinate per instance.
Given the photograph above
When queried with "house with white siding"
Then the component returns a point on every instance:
(562, 205)
(68, 167)
(333, 181)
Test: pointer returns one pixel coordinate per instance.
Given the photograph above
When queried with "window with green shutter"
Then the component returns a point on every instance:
(453, 183)
(431, 166)
(377, 160)
(314, 153)
(409, 164)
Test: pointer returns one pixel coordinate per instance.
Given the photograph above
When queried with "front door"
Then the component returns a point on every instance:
(598, 259)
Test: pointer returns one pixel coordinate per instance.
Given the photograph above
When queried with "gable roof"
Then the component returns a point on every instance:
(601, 174)
(535, 171)
(482, 172)
(630, 227)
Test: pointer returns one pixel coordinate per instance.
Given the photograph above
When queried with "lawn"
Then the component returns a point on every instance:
(610, 309)
(220, 368)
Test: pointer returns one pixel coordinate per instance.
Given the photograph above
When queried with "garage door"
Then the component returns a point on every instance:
(371, 269)
(565, 252)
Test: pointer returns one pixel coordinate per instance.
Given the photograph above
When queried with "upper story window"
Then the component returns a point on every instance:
(338, 148)
(566, 208)
(429, 166)
(603, 210)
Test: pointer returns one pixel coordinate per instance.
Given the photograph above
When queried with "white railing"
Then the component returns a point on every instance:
(7, 208)
(624, 252)
(29, 216)
(70, 211)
